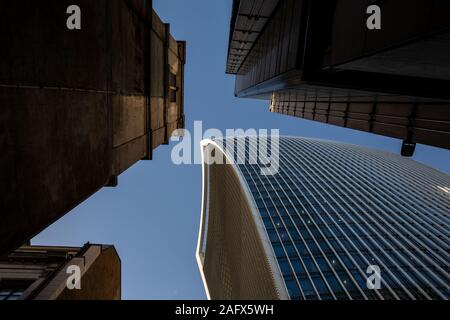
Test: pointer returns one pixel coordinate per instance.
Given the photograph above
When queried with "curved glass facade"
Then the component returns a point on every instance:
(334, 209)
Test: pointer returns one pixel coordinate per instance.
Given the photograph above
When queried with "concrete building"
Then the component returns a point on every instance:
(318, 60)
(331, 218)
(42, 273)
(79, 107)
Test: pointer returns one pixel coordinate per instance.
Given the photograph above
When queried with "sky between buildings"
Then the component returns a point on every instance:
(152, 217)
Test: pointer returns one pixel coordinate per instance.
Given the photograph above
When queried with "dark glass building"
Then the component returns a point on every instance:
(318, 60)
(312, 230)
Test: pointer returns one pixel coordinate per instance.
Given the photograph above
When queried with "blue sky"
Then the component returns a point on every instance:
(152, 217)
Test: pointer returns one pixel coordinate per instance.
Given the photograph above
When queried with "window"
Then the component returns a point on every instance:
(299, 270)
(320, 285)
(285, 267)
(292, 287)
(13, 289)
(308, 289)
(273, 235)
(172, 87)
(309, 263)
(290, 249)
(332, 281)
(279, 252)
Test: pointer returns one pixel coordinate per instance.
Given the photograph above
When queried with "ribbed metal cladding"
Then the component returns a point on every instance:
(418, 122)
(335, 209)
(235, 265)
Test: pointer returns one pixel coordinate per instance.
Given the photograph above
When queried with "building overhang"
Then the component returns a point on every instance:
(249, 18)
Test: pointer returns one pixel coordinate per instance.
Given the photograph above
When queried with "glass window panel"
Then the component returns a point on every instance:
(320, 285)
(309, 263)
(308, 289)
(278, 248)
(285, 267)
(298, 267)
(292, 288)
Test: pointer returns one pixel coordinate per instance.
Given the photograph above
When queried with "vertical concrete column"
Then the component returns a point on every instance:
(166, 82)
(148, 79)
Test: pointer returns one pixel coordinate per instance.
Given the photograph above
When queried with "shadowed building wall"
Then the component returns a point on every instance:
(79, 107)
(41, 273)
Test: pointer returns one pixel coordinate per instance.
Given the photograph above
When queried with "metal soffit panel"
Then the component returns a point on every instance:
(249, 20)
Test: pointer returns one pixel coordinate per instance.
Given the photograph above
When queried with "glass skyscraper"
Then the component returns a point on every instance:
(321, 225)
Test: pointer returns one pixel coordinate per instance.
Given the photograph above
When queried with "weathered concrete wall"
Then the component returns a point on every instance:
(55, 114)
(76, 107)
(102, 281)
(41, 272)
